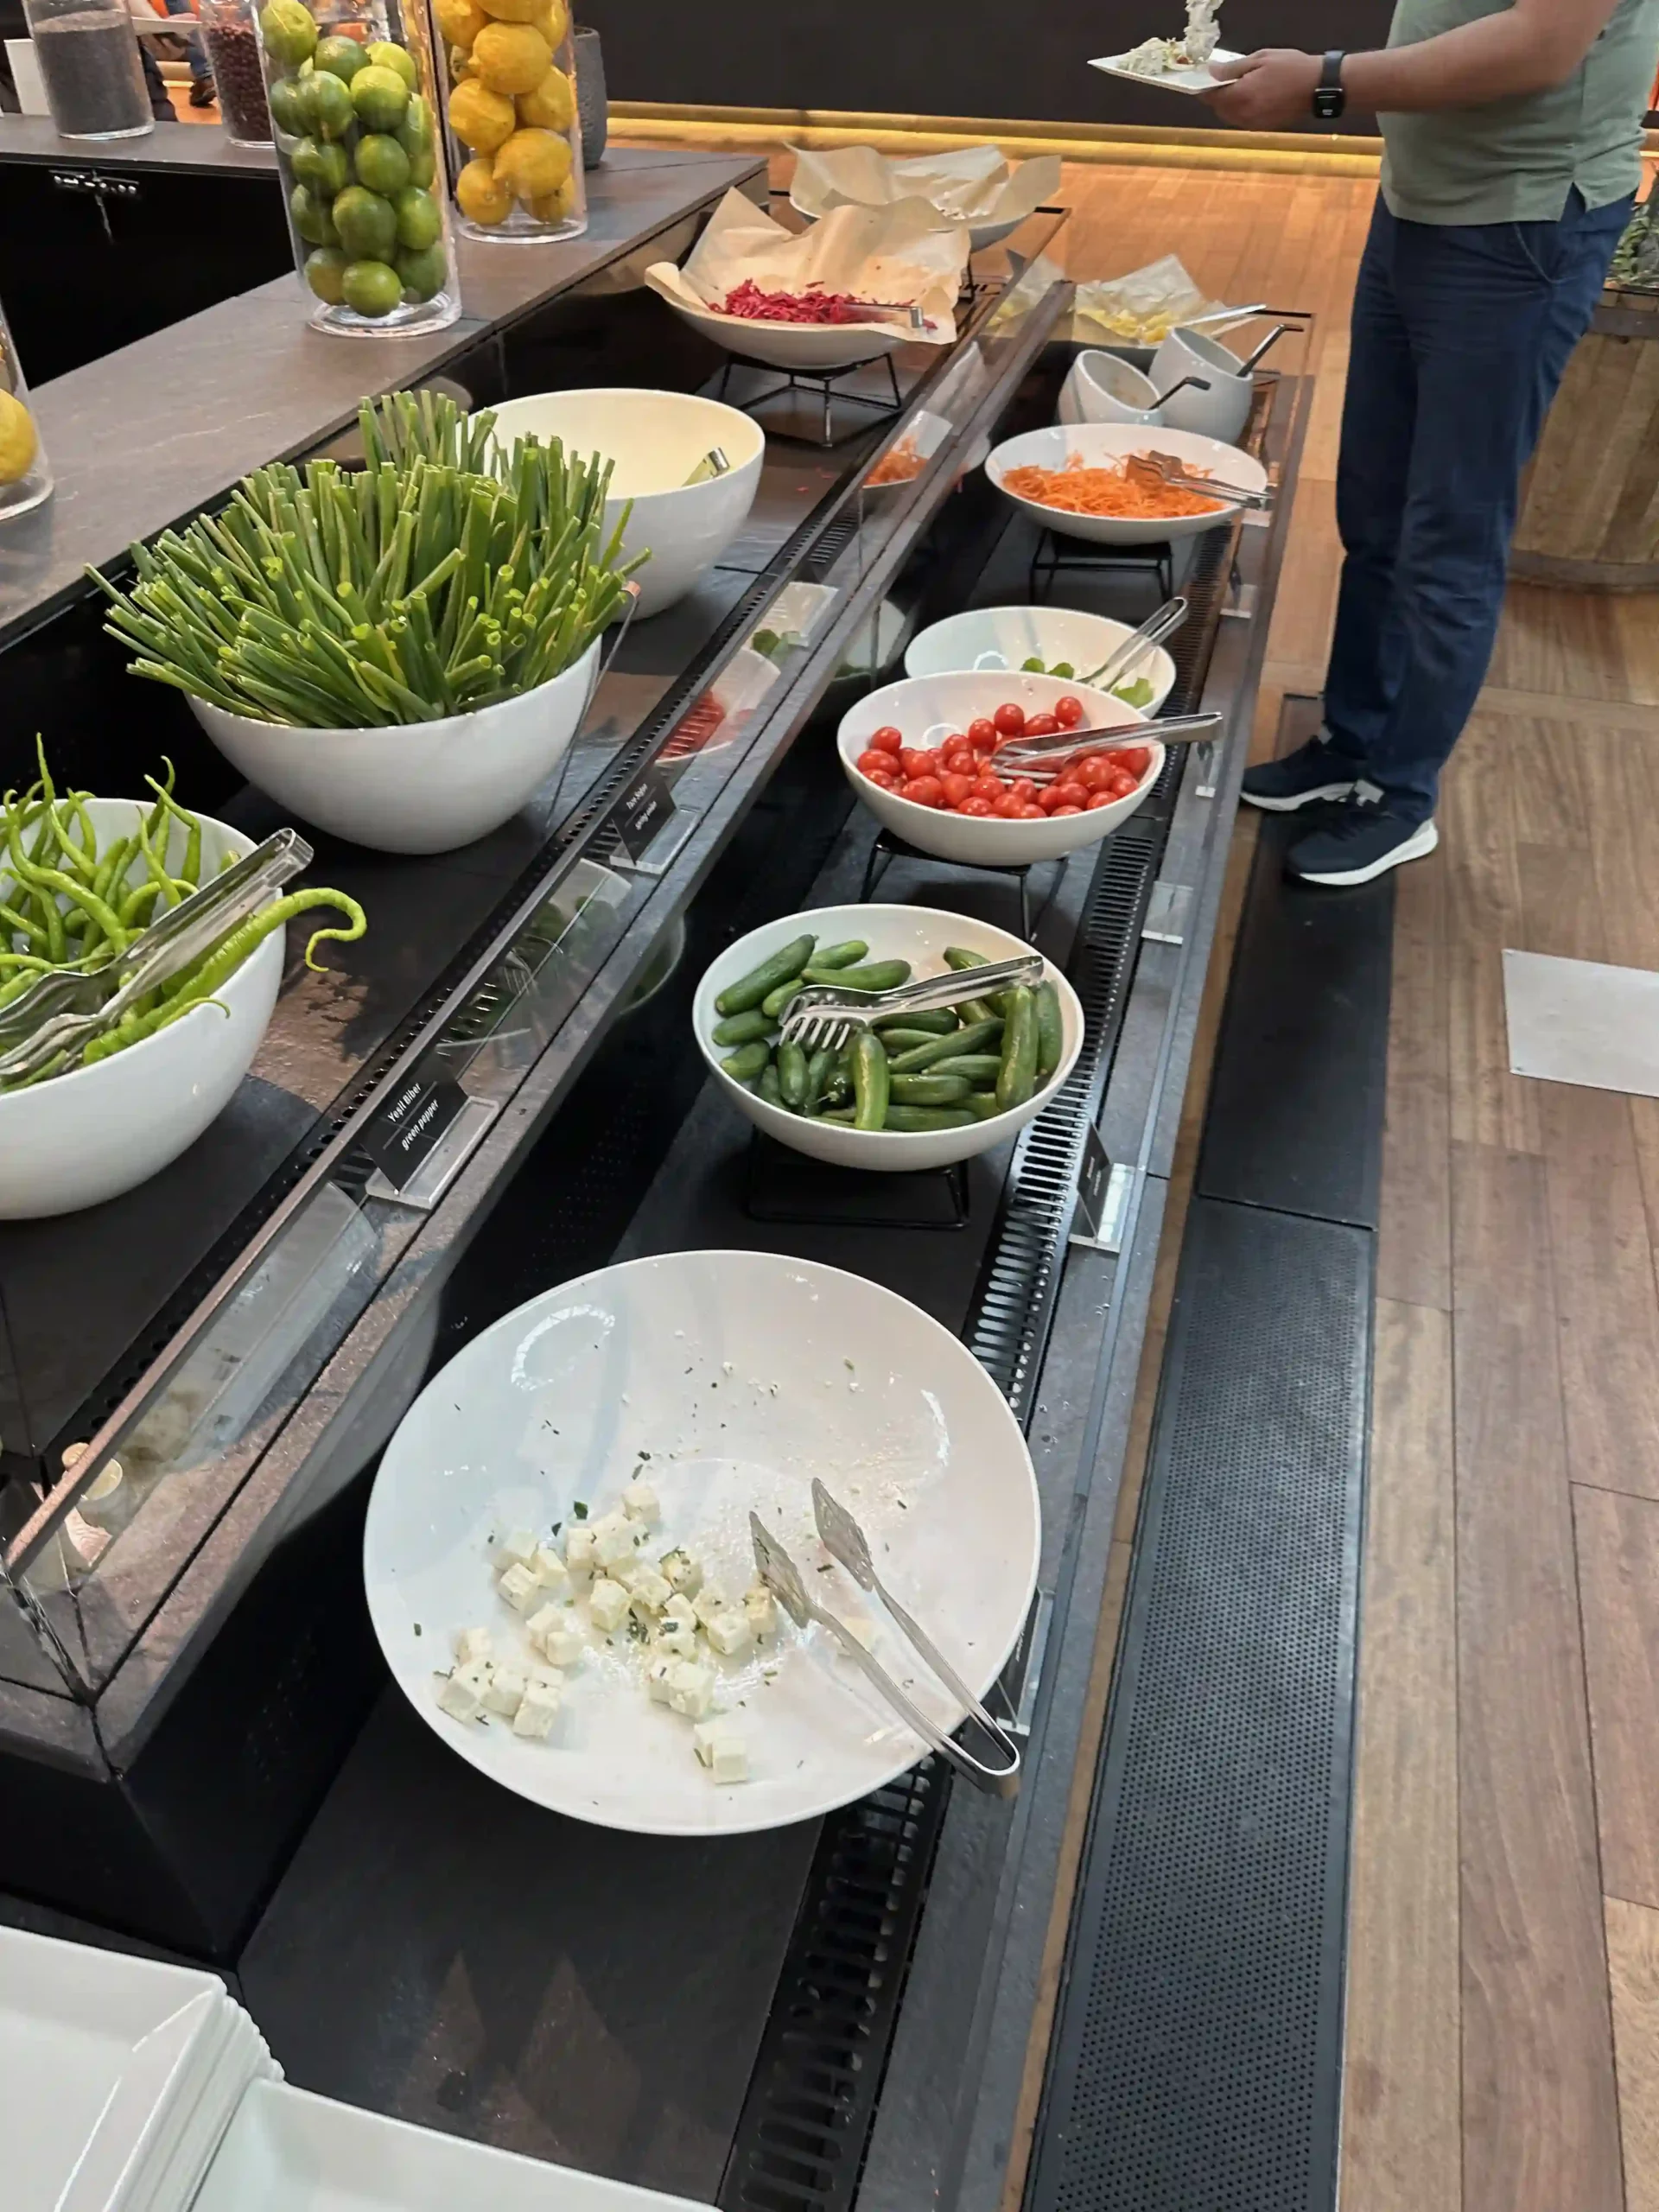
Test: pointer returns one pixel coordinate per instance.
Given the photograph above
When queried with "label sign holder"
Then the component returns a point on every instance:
(649, 828)
(422, 1138)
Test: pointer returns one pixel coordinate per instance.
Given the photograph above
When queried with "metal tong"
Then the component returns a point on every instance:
(69, 1009)
(826, 1013)
(1134, 650)
(1149, 471)
(907, 312)
(714, 463)
(1043, 753)
(845, 1541)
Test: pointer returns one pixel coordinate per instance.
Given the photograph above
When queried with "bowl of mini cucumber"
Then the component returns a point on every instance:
(947, 1088)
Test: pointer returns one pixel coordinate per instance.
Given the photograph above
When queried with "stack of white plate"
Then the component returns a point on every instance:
(119, 2077)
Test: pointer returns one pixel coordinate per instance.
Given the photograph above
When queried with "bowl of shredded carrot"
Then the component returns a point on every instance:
(1073, 480)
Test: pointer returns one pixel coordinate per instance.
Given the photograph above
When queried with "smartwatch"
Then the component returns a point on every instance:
(1329, 99)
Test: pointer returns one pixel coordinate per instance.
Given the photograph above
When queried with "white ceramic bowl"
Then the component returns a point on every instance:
(96, 1132)
(1102, 444)
(1002, 638)
(418, 787)
(924, 708)
(1101, 388)
(654, 440)
(743, 1374)
(793, 345)
(919, 934)
(1221, 412)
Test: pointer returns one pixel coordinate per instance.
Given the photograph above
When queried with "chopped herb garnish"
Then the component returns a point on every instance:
(580, 1510)
(417, 1628)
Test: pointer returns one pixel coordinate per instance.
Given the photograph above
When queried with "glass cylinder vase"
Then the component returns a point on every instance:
(88, 56)
(25, 476)
(354, 112)
(232, 44)
(510, 101)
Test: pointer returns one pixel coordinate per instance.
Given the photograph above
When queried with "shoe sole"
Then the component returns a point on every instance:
(1301, 799)
(1417, 847)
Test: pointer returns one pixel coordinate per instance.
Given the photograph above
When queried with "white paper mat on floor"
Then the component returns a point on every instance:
(1581, 1021)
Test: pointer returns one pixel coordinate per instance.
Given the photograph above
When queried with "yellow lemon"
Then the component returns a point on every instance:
(460, 21)
(556, 207)
(510, 57)
(552, 19)
(18, 443)
(532, 164)
(478, 194)
(481, 119)
(551, 105)
(512, 11)
(460, 64)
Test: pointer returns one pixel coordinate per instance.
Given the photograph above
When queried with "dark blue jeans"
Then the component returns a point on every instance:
(1461, 336)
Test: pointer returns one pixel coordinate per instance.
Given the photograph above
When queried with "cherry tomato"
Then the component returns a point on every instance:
(886, 782)
(1024, 790)
(990, 787)
(1032, 814)
(1094, 773)
(981, 734)
(1008, 808)
(1073, 792)
(924, 790)
(916, 762)
(961, 759)
(1068, 712)
(1053, 798)
(1135, 759)
(887, 739)
(1059, 810)
(1097, 799)
(1043, 726)
(1010, 719)
(876, 763)
(977, 807)
(955, 788)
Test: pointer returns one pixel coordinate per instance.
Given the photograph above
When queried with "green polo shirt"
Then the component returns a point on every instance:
(1516, 161)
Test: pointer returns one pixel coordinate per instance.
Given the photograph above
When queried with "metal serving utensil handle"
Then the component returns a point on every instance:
(1164, 623)
(1179, 729)
(198, 923)
(933, 992)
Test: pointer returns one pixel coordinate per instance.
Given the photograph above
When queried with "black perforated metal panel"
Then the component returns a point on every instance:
(1195, 2067)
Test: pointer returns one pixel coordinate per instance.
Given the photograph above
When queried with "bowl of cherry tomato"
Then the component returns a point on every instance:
(922, 755)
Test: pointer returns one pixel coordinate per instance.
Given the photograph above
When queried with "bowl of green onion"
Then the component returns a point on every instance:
(402, 653)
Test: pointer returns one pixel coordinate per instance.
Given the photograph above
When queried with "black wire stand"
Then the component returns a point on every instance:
(890, 846)
(827, 384)
(1055, 557)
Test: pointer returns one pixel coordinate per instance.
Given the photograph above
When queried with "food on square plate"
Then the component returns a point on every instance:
(1081, 489)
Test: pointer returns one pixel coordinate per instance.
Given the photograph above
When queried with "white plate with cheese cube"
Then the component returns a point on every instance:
(557, 1554)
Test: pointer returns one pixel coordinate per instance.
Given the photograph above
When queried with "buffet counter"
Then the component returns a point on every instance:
(198, 1744)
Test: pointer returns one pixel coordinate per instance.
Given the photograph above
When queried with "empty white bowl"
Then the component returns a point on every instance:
(653, 441)
(1101, 388)
(919, 934)
(1102, 445)
(924, 709)
(1221, 412)
(415, 787)
(96, 1132)
(1003, 638)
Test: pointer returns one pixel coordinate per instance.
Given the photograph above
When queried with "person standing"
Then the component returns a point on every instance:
(1512, 131)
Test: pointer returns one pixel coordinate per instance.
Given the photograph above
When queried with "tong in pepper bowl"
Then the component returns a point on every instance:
(823, 1014)
(846, 1542)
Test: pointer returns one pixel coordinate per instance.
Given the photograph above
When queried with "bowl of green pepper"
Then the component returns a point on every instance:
(926, 1093)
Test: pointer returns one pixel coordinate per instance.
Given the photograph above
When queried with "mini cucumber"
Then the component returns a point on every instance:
(744, 1028)
(749, 991)
(746, 1064)
(880, 975)
(984, 1106)
(972, 1010)
(929, 1089)
(899, 1041)
(842, 956)
(909, 1120)
(1017, 1078)
(982, 1069)
(841, 1116)
(938, 1022)
(970, 1039)
(774, 1002)
(870, 1080)
(1051, 1033)
(820, 1078)
(792, 1077)
(768, 1087)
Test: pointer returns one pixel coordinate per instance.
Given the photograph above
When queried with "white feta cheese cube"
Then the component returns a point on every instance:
(540, 1707)
(462, 1693)
(472, 1644)
(762, 1611)
(657, 1684)
(639, 1503)
(550, 1570)
(722, 1750)
(678, 1638)
(612, 1539)
(579, 1552)
(519, 1588)
(516, 1548)
(690, 1689)
(608, 1604)
(507, 1689)
(679, 1609)
(544, 1622)
(564, 1647)
(681, 1573)
(729, 1633)
(709, 1604)
(651, 1592)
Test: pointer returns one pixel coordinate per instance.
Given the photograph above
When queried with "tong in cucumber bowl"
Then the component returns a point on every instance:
(825, 1013)
(845, 1541)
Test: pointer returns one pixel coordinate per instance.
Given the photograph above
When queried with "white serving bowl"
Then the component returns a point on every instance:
(1101, 388)
(654, 440)
(924, 708)
(96, 1132)
(741, 1376)
(919, 934)
(794, 345)
(1221, 412)
(1005, 637)
(1102, 444)
(416, 787)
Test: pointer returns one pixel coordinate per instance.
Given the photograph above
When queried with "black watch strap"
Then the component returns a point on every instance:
(1330, 99)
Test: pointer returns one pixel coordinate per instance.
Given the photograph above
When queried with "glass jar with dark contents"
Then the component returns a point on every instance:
(88, 56)
(239, 74)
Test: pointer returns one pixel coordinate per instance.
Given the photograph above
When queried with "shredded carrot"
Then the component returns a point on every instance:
(1077, 489)
(899, 466)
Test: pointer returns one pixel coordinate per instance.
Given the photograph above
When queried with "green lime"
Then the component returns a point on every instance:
(367, 227)
(311, 217)
(382, 164)
(424, 167)
(341, 57)
(385, 55)
(289, 32)
(419, 224)
(287, 107)
(328, 107)
(381, 96)
(415, 133)
(322, 166)
(423, 274)
(371, 288)
(325, 273)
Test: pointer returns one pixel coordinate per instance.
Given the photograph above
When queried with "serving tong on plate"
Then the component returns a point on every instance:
(827, 1013)
(1164, 623)
(68, 1009)
(1038, 756)
(1152, 472)
(845, 1541)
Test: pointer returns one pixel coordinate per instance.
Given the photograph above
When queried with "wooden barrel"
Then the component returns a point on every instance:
(1590, 505)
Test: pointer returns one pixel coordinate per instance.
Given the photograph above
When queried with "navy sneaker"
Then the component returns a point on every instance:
(1313, 771)
(1359, 841)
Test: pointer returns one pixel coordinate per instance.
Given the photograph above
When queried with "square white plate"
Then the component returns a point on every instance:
(1189, 80)
(1581, 1021)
